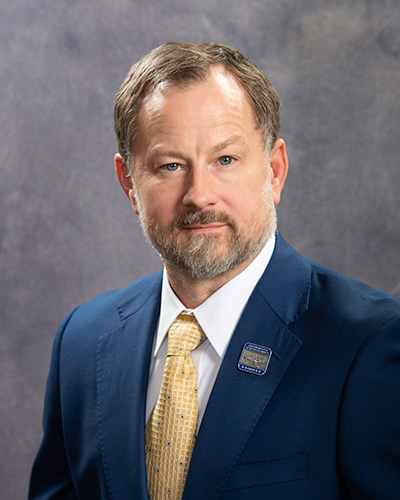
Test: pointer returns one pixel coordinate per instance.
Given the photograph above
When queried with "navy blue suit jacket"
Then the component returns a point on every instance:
(323, 423)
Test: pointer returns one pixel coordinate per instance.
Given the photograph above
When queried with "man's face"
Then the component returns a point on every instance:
(202, 178)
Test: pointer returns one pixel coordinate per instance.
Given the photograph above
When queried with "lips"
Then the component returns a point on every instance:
(204, 227)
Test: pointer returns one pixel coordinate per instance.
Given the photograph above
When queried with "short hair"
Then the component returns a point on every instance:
(182, 63)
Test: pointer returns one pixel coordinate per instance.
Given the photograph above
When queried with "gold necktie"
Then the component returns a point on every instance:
(171, 429)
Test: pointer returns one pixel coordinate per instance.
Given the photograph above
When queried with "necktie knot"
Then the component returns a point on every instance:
(184, 335)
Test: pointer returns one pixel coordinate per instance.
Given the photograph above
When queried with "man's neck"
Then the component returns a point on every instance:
(194, 291)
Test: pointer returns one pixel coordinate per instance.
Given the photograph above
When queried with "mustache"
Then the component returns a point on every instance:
(204, 217)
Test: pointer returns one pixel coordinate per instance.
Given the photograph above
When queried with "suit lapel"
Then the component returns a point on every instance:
(239, 398)
(123, 358)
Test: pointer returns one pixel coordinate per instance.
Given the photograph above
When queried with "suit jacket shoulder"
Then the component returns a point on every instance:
(302, 285)
(107, 310)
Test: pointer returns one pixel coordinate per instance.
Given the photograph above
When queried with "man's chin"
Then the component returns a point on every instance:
(205, 264)
(206, 255)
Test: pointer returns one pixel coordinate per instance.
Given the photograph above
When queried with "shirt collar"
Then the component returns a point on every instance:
(220, 313)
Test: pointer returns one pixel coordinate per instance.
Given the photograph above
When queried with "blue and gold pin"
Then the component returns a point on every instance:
(254, 358)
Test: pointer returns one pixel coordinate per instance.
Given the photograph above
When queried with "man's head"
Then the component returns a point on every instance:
(200, 175)
(180, 64)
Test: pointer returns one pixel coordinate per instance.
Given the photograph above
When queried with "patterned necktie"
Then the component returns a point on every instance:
(171, 429)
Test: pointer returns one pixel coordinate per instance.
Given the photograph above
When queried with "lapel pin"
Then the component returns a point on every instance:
(254, 358)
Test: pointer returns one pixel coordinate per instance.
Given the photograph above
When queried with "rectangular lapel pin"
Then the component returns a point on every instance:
(254, 358)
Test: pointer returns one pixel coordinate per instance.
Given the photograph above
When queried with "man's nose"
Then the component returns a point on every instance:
(200, 188)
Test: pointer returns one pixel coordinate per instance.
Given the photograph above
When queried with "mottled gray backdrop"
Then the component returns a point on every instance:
(67, 233)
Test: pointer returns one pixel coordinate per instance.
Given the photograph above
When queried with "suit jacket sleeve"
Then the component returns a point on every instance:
(369, 426)
(51, 478)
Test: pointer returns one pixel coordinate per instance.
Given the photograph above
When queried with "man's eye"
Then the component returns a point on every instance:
(226, 160)
(171, 167)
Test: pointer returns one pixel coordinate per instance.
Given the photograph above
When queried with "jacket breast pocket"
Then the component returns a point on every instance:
(261, 473)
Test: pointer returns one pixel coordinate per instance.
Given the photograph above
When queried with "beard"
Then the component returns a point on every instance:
(209, 255)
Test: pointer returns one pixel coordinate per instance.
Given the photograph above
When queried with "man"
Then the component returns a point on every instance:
(293, 370)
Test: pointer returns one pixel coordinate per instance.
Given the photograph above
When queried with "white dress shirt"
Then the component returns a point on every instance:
(217, 316)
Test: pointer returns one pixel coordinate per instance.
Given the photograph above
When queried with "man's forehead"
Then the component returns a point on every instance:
(218, 78)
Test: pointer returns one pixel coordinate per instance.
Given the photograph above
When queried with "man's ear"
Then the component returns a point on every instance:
(279, 165)
(125, 179)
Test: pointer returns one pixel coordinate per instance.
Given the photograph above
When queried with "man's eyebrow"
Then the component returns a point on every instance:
(157, 151)
(230, 141)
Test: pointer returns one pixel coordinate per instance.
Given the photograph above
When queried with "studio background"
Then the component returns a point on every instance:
(67, 232)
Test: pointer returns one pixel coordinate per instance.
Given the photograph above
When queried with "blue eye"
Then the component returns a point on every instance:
(171, 167)
(225, 160)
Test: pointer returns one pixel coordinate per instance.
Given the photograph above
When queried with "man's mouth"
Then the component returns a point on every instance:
(210, 227)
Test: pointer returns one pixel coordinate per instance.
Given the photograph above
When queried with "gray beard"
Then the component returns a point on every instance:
(198, 256)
